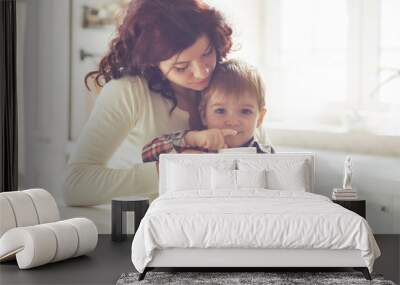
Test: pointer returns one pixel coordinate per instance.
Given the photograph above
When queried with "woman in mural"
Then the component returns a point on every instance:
(163, 55)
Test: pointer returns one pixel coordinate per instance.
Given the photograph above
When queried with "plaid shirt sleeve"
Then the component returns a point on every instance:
(164, 144)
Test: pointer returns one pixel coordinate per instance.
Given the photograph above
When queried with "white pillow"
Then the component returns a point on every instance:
(282, 174)
(236, 179)
(251, 178)
(293, 179)
(183, 177)
(223, 179)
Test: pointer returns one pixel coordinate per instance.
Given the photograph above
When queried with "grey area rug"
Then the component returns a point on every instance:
(269, 278)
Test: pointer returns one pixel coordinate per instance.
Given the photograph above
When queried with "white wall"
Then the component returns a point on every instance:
(46, 107)
(376, 178)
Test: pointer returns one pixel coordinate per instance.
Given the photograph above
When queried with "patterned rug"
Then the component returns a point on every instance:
(269, 278)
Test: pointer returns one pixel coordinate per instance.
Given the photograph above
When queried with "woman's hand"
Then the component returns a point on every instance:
(211, 139)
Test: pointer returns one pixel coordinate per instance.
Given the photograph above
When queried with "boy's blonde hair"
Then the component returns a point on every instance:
(234, 77)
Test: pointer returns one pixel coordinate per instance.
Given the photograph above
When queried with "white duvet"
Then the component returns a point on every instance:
(252, 218)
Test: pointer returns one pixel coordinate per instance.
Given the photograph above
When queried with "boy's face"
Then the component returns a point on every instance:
(240, 113)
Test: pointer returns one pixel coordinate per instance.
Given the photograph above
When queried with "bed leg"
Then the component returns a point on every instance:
(143, 274)
(364, 271)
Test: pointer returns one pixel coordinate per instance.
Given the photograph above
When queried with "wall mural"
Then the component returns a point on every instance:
(93, 24)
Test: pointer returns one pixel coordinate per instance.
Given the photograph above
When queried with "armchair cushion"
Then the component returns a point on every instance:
(27, 208)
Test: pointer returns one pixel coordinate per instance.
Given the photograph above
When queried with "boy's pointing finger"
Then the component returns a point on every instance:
(228, 132)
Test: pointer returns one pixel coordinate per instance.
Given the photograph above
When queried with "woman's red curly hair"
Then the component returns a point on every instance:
(155, 30)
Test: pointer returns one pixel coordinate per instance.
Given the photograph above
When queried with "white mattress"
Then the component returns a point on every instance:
(252, 218)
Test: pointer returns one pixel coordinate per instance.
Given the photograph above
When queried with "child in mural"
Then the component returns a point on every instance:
(231, 108)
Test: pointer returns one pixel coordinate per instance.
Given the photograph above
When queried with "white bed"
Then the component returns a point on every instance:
(249, 210)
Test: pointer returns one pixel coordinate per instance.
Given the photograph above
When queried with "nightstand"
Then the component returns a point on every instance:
(119, 207)
(357, 206)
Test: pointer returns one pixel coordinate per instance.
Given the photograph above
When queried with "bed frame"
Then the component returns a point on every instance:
(241, 259)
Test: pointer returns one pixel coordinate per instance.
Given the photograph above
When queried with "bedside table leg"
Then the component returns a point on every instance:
(118, 222)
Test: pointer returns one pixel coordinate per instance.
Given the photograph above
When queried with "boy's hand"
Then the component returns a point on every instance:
(192, 151)
(211, 139)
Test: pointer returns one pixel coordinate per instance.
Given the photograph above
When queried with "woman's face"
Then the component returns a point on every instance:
(192, 68)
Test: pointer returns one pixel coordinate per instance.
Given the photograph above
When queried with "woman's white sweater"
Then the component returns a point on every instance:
(106, 161)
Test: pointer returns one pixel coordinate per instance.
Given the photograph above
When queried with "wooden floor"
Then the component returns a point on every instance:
(110, 260)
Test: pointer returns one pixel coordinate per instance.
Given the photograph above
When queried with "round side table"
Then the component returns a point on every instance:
(119, 207)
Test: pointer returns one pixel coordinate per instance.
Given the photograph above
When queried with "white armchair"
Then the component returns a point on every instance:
(31, 232)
